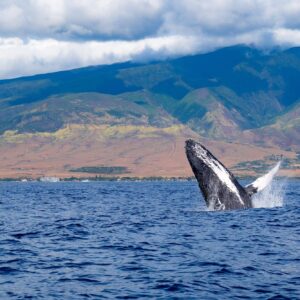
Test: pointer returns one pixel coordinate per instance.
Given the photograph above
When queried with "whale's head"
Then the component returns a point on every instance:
(198, 156)
(219, 187)
(195, 150)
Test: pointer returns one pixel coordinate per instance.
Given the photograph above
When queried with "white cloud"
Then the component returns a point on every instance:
(63, 19)
(18, 58)
(289, 37)
(39, 36)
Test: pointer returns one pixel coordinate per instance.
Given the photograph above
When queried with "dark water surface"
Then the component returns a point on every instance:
(143, 239)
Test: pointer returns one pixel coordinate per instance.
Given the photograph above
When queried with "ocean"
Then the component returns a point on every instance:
(140, 240)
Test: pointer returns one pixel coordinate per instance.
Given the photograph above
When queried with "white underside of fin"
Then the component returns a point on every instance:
(262, 182)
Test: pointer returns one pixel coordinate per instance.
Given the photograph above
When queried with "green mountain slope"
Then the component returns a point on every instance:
(284, 131)
(233, 94)
(57, 111)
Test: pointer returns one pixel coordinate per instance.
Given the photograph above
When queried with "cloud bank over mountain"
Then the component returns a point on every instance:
(38, 36)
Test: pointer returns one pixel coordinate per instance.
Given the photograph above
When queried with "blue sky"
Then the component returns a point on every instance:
(39, 36)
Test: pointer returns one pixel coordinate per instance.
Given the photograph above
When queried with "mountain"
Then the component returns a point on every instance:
(238, 100)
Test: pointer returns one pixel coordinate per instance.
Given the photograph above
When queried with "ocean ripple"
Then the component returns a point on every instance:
(135, 240)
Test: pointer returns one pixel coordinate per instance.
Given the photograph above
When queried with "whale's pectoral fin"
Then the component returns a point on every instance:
(262, 182)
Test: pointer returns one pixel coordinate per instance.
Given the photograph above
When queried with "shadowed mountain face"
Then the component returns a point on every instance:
(236, 94)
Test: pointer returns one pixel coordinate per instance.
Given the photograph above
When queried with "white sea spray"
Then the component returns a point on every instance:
(271, 196)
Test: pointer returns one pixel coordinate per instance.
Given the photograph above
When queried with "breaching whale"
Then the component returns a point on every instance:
(219, 187)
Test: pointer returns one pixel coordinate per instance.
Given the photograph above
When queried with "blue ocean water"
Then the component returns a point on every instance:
(127, 240)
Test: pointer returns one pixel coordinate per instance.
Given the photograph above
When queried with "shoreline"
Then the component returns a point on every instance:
(131, 179)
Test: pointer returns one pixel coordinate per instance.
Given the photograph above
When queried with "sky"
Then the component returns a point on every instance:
(41, 36)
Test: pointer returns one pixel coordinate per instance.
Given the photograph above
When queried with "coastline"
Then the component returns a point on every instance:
(132, 179)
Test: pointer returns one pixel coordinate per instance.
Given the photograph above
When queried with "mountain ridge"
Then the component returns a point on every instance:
(234, 95)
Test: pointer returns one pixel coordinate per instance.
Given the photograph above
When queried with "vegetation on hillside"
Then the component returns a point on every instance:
(235, 94)
(110, 170)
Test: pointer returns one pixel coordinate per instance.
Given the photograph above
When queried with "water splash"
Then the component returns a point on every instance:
(262, 182)
(271, 196)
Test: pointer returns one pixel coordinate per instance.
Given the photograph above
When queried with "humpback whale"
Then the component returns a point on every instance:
(219, 187)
